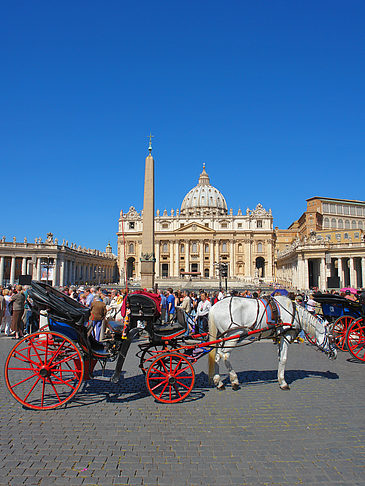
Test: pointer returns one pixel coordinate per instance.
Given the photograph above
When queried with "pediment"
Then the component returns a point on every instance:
(194, 228)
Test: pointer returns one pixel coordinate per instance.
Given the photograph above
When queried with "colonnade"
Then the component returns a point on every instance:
(61, 271)
(309, 271)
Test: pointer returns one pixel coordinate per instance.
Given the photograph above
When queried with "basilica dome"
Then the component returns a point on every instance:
(204, 196)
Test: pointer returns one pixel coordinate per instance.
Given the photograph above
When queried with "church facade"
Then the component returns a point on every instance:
(191, 241)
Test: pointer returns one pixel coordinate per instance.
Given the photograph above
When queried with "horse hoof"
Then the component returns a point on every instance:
(235, 387)
(285, 387)
(221, 388)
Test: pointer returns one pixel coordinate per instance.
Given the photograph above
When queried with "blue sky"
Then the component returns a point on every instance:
(269, 94)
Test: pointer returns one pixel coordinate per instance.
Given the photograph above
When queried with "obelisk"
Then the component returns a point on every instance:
(148, 232)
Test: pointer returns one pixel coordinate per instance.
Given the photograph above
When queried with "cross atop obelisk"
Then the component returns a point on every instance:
(148, 233)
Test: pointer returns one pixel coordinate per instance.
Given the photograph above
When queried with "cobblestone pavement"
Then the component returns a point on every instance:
(118, 435)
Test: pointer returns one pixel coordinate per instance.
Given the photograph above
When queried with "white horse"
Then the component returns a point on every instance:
(239, 315)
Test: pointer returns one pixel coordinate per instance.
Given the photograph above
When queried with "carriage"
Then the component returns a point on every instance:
(45, 369)
(340, 313)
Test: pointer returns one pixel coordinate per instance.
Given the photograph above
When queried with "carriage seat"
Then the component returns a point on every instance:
(174, 327)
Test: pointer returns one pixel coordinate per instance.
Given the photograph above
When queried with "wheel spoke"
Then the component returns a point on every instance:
(182, 384)
(159, 371)
(30, 391)
(35, 350)
(68, 358)
(164, 388)
(54, 389)
(62, 381)
(43, 385)
(176, 367)
(25, 379)
(56, 353)
(180, 371)
(159, 384)
(25, 360)
(177, 390)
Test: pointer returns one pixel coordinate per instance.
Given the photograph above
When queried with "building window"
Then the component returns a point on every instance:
(131, 248)
(206, 272)
(353, 224)
(165, 225)
(352, 210)
(346, 210)
(182, 248)
(259, 224)
(356, 235)
(131, 225)
(347, 224)
(165, 247)
(224, 225)
(206, 225)
(239, 225)
(340, 224)
(325, 208)
(359, 211)
(346, 236)
(239, 247)
(206, 248)
(194, 248)
(326, 223)
(333, 223)
(224, 247)
(259, 247)
(360, 225)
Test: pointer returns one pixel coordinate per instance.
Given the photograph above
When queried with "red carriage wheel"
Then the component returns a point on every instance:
(355, 339)
(339, 330)
(44, 370)
(170, 378)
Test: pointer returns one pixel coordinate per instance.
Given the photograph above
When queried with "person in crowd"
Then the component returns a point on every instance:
(186, 302)
(311, 304)
(27, 312)
(97, 315)
(202, 313)
(163, 306)
(2, 309)
(170, 303)
(350, 296)
(89, 297)
(7, 314)
(18, 300)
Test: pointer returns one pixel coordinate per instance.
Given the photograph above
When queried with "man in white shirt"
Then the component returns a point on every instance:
(202, 313)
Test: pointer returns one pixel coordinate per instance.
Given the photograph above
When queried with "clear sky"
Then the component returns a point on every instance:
(269, 94)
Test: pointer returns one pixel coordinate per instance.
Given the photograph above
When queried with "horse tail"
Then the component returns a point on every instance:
(213, 352)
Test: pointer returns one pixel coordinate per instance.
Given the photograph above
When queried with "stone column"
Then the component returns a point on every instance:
(306, 274)
(211, 259)
(201, 257)
(55, 272)
(216, 251)
(353, 282)
(340, 270)
(362, 272)
(171, 265)
(231, 259)
(176, 263)
(269, 273)
(12, 271)
(187, 256)
(157, 256)
(24, 266)
(39, 268)
(2, 263)
(323, 274)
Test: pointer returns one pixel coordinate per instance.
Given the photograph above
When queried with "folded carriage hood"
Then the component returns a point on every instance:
(59, 304)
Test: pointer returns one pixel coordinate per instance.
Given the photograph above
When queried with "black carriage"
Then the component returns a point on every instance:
(44, 370)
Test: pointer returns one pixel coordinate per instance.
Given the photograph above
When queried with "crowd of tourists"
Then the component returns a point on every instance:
(16, 319)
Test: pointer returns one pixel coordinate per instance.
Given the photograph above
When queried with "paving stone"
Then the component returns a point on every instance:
(312, 434)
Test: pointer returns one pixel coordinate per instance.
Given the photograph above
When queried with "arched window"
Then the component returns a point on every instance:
(326, 223)
(239, 247)
(333, 223)
(353, 224)
(259, 247)
(206, 248)
(347, 224)
(131, 247)
(360, 225)
(165, 247)
(194, 247)
(340, 224)
(182, 248)
(224, 247)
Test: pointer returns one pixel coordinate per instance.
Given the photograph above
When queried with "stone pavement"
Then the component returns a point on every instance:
(258, 435)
